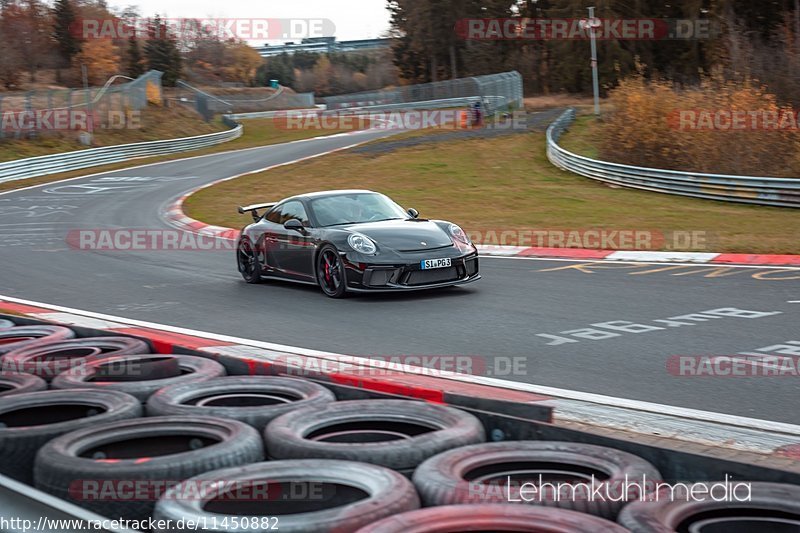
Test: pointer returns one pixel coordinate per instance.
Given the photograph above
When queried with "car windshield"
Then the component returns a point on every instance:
(355, 208)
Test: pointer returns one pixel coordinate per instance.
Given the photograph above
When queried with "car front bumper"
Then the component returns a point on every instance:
(410, 276)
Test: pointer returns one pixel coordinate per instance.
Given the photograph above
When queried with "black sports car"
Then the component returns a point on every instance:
(353, 241)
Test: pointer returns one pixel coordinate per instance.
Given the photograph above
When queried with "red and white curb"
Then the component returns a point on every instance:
(714, 430)
(641, 256)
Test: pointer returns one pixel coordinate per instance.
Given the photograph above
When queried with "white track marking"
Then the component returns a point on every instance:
(643, 263)
(688, 257)
(684, 414)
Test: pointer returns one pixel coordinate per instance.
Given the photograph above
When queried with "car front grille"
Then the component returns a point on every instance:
(424, 277)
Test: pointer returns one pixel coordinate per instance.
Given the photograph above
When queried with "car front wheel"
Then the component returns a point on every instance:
(330, 272)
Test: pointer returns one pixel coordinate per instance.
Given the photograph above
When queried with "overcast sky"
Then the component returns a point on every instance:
(353, 19)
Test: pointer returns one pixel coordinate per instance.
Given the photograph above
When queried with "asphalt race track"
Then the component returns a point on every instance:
(528, 318)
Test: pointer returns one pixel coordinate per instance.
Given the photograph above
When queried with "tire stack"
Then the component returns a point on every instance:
(103, 423)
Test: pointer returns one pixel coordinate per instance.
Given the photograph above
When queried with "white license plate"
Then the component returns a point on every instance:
(429, 264)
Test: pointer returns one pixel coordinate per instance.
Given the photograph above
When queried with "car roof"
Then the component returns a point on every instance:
(322, 194)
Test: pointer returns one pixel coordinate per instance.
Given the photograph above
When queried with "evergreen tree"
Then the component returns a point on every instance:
(161, 52)
(134, 62)
(65, 31)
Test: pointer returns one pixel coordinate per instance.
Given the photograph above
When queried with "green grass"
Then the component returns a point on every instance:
(507, 183)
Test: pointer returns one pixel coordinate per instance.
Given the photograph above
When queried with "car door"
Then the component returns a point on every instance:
(267, 244)
(294, 251)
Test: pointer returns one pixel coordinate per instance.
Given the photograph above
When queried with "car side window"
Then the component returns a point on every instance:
(294, 210)
(274, 216)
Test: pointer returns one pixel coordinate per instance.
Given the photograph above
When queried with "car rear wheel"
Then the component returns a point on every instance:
(330, 272)
(247, 261)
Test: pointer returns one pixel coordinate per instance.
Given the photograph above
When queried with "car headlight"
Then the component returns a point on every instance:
(361, 244)
(459, 234)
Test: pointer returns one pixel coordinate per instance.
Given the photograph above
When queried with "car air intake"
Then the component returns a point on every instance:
(424, 277)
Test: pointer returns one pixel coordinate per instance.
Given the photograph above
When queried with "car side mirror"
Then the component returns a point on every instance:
(413, 213)
(294, 225)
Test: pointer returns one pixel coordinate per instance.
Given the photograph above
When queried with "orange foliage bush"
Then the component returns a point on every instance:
(655, 124)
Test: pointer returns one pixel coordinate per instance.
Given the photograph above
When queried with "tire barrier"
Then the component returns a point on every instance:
(19, 383)
(479, 473)
(5, 324)
(28, 421)
(397, 434)
(139, 375)
(492, 517)
(770, 507)
(254, 400)
(335, 466)
(352, 495)
(47, 359)
(18, 337)
(159, 451)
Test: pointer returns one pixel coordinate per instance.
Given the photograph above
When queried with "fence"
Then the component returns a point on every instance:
(208, 104)
(780, 192)
(106, 103)
(497, 91)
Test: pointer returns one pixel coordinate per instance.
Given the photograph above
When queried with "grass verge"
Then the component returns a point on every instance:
(507, 183)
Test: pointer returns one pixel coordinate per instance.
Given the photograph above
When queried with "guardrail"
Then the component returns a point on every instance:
(779, 192)
(53, 164)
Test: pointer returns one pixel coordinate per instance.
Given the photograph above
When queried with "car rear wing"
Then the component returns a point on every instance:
(255, 208)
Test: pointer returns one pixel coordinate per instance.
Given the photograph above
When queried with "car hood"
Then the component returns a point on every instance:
(405, 235)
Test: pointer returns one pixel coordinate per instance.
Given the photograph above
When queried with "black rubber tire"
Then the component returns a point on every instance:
(5, 324)
(667, 516)
(30, 335)
(137, 367)
(19, 443)
(491, 517)
(38, 358)
(20, 383)
(194, 370)
(290, 394)
(62, 471)
(445, 479)
(341, 290)
(290, 436)
(243, 247)
(388, 493)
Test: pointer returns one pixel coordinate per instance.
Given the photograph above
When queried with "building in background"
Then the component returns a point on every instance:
(324, 45)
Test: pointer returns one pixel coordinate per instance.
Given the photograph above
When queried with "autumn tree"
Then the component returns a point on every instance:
(101, 59)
